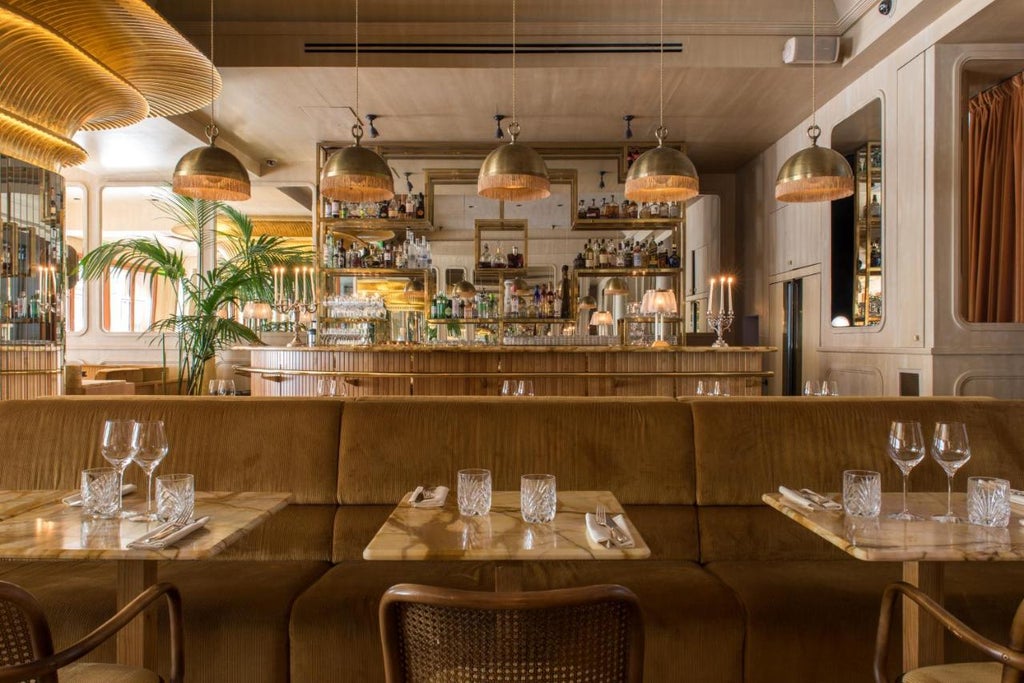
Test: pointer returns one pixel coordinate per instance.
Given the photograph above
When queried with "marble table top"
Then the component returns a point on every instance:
(442, 534)
(888, 540)
(52, 530)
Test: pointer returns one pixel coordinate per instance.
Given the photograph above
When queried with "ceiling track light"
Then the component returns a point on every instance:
(662, 174)
(498, 133)
(370, 118)
(628, 118)
(814, 174)
(355, 173)
(210, 172)
(513, 171)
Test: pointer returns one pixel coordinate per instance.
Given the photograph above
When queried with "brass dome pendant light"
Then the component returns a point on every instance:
(814, 174)
(357, 174)
(662, 174)
(209, 172)
(513, 172)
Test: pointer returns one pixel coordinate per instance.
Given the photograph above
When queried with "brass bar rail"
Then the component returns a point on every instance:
(268, 372)
(30, 372)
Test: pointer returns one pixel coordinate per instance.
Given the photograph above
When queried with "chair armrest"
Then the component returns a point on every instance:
(994, 650)
(74, 652)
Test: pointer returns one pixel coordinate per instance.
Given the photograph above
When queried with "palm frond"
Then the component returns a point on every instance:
(144, 255)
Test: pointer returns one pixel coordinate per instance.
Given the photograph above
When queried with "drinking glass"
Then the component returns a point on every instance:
(862, 493)
(118, 448)
(906, 449)
(537, 498)
(214, 387)
(326, 386)
(525, 387)
(151, 448)
(952, 451)
(809, 388)
(988, 501)
(226, 387)
(700, 388)
(175, 496)
(508, 387)
(474, 492)
(830, 387)
(101, 496)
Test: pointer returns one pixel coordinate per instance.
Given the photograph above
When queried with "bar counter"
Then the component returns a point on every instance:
(440, 370)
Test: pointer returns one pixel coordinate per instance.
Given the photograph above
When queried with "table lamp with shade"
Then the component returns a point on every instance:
(603, 321)
(586, 303)
(658, 302)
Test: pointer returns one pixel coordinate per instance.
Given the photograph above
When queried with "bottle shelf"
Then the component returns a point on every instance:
(625, 223)
(381, 272)
(414, 224)
(636, 272)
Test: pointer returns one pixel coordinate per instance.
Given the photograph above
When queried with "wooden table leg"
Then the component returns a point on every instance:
(136, 642)
(922, 635)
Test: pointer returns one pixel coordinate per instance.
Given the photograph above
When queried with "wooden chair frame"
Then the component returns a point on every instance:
(44, 668)
(1012, 657)
(529, 600)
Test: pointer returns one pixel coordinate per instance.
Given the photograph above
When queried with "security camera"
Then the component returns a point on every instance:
(271, 162)
(885, 6)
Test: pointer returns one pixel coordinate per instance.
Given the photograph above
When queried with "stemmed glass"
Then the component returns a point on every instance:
(906, 448)
(151, 447)
(952, 451)
(118, 448)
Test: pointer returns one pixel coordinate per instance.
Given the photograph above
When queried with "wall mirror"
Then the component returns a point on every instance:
(857, 222)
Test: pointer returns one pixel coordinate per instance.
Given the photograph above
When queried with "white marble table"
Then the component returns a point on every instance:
(501, 536)
(37, 526)
(922, 547)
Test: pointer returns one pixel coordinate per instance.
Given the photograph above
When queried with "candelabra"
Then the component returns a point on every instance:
(720, 323)
(296, 308)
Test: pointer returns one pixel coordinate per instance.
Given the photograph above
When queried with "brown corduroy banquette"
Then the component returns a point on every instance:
(733, 590)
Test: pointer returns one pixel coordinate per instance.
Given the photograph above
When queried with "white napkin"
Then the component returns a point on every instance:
(598, 534)
(429, 496)
(75, 499)
(144, 543)
(1016, 497)
(797, 499)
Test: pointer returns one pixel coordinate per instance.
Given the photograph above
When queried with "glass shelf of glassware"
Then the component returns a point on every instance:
(373, 305)
(502, 330)
(867, 295)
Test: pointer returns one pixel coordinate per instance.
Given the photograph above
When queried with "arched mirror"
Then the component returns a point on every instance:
(857, 221)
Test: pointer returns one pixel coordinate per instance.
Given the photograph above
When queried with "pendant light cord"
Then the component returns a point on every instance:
(515, 121)
(359, 121)
(661, 66)
(211, 130)
(814, 59)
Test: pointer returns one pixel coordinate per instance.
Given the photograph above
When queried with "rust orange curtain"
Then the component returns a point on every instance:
(995, 204)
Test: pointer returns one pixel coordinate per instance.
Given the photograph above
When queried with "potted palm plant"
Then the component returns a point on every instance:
(203, 298)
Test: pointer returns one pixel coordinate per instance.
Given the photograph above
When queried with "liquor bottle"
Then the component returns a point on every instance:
(581, 212)
(485, 257)
(393, 208)
(328, 251)
(549, 302)
(565, 292)
(588, 256)
(382, 210)
(420, 212)
(515, 259)
(624, 208)
(634, 209)
(410, 205)
(605, 208)
(655, 210)
(578, 262)
(645, 210)
(22, 260)
(602, 256)
(593, 211)
(498, 259)
(613, 208)
(662, 255)
(638, 258)
(874, 208)
(401, 208)
(620, 256)
(673, 258)
(5, 260)
(674, 209)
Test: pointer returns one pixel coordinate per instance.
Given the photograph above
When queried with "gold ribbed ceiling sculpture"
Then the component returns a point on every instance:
(89, 65)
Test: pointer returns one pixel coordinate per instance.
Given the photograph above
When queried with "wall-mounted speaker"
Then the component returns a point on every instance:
(798, 50)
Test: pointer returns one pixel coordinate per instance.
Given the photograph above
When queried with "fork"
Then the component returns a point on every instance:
(616, 536)
(173, 526)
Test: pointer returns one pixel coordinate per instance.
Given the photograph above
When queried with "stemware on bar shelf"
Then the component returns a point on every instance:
(951, 450)
(906, 449)
(118, 448)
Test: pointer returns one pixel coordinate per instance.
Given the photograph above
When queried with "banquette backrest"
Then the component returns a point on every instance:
(641, 449)
(243, 444)
(745, 447)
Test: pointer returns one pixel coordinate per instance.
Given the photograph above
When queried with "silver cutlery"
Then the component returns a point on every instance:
(820, 500)
(171, 527)
(616, 536)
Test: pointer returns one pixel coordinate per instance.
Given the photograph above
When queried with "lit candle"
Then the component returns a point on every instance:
(298, 284)
(53, 277)
(711, 295)
(273, 281)
(312, 285)
(721, 304)
(42, 283)
(730, 296)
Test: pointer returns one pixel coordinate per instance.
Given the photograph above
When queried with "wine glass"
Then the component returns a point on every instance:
(952, 451)
(906, 448)
(150, 444)
(118, 448)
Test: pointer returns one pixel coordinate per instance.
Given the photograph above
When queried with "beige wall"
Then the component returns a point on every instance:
(921, 331)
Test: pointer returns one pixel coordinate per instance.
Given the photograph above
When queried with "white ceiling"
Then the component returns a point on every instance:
(727, 93)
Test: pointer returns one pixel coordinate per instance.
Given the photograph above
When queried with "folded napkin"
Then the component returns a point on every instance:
(75, 499)
(599, 535)
(148, 542)
(798, 499)
(1016, 497)
(428, 496)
